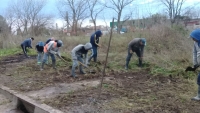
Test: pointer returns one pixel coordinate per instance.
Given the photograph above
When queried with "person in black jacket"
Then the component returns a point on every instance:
(39, 47)
(94, 40)
(26, 43)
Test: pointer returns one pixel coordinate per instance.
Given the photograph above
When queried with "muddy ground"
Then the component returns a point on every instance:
(133, 91)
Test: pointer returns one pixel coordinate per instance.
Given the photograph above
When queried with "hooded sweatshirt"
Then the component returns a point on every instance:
(81, 49)
(135, 45)
(52, 47)
(95, 38)
(196, 49)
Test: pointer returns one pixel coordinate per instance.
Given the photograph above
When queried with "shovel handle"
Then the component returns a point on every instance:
(82, 64)
(62, 59)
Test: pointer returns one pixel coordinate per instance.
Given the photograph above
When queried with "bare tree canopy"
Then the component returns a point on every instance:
(74, 12)
(3, 25)
(25, 14)
(94, 9)
(173, 8)
(118, 6)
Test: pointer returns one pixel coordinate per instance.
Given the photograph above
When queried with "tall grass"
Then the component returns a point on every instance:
(166, 48)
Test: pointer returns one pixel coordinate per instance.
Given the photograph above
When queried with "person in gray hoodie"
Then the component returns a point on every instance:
(26, 43)
(77, 55)
(137, 46)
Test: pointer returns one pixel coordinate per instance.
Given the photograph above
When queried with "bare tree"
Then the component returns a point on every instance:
(118, 6)
(9, 15)
(74, 12)
(173, 8)
(3, 25)
(94, 9)
(25, 13)
(41, 23)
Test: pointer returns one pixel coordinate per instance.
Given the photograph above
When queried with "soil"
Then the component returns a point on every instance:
(122, 91)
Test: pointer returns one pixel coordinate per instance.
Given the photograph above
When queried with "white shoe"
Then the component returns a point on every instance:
(195, 98)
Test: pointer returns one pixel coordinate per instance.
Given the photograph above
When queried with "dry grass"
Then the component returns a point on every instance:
(166, 47)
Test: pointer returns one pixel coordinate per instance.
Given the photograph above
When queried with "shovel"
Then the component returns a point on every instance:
(91, 71)
(189, 68)
(62, 58)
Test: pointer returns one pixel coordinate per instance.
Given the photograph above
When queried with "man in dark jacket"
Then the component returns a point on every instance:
(137, 46)
(39, 47)
(26, 43)
(94, 40)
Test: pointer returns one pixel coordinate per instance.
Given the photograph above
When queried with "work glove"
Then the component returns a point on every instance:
(74, 58)
(53, 52)
(56, 53)
(196, 66)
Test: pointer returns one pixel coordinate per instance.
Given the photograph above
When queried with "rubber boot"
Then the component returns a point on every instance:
(81, 69)
(73, 74)
(126, 65)
(54, 64)
(198, 95)
(95, 59)
(140, 63)
(42, 66)
(89, 60)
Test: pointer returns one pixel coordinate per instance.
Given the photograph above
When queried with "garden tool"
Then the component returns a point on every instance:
(91, 71)
(62, 58)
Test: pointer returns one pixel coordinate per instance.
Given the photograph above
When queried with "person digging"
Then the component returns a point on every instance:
(94, 40)
(39, 48)
(77, 55)
(26, 44)
(137, 46)
(48, 40)
(51, 49)
(195, 36)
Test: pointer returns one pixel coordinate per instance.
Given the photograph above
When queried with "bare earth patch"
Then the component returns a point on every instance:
(123, 91)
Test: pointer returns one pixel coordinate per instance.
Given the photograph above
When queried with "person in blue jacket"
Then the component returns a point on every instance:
(26, 44)
(39, 47)
(94, 40)
(195, 35)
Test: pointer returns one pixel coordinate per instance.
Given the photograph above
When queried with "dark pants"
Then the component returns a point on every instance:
(45, 56)
(24, 50)
(94, 53)
(75, 64)
(198, 79)
(128, 58)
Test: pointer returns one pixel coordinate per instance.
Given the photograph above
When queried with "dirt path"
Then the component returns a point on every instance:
(63, 88)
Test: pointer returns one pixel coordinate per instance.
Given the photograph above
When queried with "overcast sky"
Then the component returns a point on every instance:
(141, 8)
